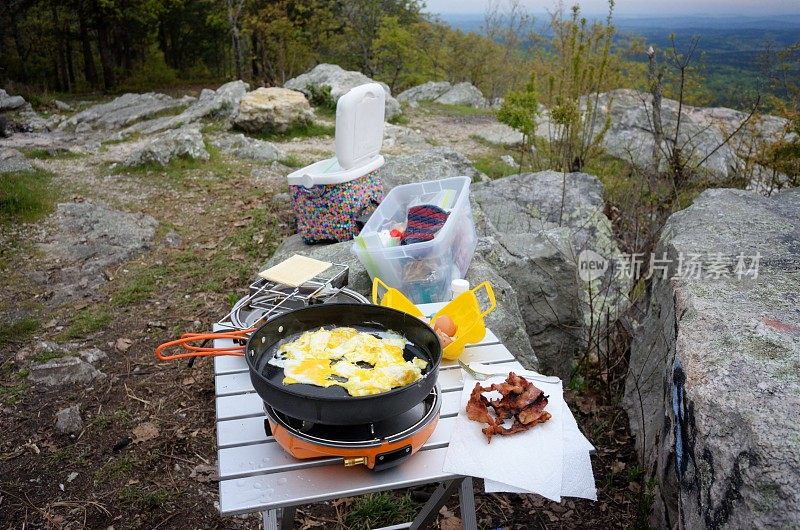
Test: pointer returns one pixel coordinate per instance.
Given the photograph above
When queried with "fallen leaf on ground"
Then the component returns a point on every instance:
(144, 432)
(449, 521)
(123, 345)
(617, 466)
(204, 473)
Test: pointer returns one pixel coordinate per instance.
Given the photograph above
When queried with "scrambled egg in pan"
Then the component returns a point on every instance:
(358, 361)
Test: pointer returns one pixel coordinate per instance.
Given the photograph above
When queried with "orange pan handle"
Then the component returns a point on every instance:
(190, 349)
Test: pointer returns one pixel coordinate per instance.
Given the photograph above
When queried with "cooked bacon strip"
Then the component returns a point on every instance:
(476, 406)
(520, 400)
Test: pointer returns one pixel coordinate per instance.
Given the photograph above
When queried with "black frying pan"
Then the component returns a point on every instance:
(333, 405)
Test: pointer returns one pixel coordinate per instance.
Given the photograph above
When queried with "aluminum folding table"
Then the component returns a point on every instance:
(257, 475)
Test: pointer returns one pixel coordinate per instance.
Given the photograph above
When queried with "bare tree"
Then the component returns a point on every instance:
(234, 11)
(677, 149)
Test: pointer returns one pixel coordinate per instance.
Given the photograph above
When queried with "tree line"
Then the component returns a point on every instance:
(115, 45)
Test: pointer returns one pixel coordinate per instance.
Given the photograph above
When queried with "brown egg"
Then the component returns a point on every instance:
(445, 324)
(444, 339)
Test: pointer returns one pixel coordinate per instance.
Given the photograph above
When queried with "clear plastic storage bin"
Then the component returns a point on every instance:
(422, 271)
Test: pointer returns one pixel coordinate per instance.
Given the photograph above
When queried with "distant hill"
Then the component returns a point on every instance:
(730, 46)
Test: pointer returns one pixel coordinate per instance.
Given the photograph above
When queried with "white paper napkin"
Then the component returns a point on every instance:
(551, 459)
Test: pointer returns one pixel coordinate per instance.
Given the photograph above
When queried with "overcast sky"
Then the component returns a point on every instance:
(638, 7)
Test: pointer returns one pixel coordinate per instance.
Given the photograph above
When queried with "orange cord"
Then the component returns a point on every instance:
(191, 350)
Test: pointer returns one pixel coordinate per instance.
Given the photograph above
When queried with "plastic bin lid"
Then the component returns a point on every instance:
(329, 171)
(359, 125)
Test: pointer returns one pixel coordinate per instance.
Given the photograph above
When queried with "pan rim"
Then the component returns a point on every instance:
(286, 388)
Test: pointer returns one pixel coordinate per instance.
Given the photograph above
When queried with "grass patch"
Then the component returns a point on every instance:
(493, 166)
(216, 271)
(26, 196)
(312, 130)
(380, 509)
(19, 331)
(291, 160)
(118, 417)
(87, 321)
(400, 119)
(116, 468)
(455, 111)
(53, 154)
(47, 356)
(179, 168)
(132, 137)
(10, 394)
(135, 497)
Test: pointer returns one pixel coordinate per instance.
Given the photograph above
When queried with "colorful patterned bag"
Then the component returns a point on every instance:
(329, 212)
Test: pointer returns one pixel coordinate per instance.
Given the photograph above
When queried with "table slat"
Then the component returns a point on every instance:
(316, 484)
(265, 458)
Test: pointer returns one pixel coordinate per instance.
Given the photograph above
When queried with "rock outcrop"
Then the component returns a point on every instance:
(432, 164)
(83, 239)
(64, 371)
(713, 389)
(340, 81)
(242, 146)
(463, 94)
(425, 92)
(12, 161)
(8, 102)
(222, 103)
(123, 111)
(702, 138)
(273, 109)
(403, 137)
(445, 93)
(500, 134)
(186, 142)
(543, 222)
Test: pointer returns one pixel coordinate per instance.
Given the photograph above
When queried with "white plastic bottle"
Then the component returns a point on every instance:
(458, 286)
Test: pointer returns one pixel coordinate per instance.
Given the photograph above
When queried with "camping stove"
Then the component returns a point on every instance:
(378, 446)
(267, 299)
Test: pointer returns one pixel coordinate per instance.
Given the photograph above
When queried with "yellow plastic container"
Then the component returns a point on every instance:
(465, 311)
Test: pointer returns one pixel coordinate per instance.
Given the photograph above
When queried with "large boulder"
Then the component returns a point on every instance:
(186, 142)
(222, 103)
(242, 146)
(123, 111)
(8, 102)
(463, 94)
(507, 321)
(713, 392)
(424, 92)
(432, 164)
(12, 161)
(545, 223)
(544, 279)
(340, 81)
(273, 109)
